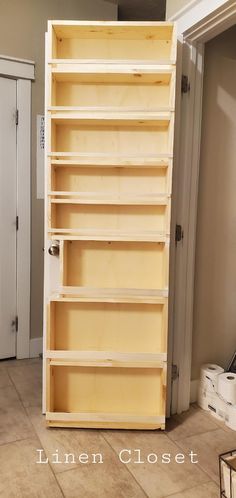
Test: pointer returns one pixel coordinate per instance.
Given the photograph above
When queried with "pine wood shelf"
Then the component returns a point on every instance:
(110, 100)
(97, 420)
(108, 357)
(137, 118)
(109, 235)
(110, 161)
(58, 197)
(103, 359)
(104, 73)
(88, 294)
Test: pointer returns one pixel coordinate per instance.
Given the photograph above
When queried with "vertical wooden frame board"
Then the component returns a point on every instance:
(105, 219)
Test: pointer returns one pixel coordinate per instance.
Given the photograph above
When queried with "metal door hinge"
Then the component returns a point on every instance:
(17, 222)
(14, 323)
(174, 372)
(185, 84)
(17, 117)
(179, 233)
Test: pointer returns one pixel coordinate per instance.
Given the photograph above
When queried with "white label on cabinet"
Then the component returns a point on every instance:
(40, 156)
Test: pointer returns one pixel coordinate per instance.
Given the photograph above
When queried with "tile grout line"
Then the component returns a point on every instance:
(198, 434)
(16, 441)
(126, 467)
(38, 439)
(198, 464)
(219, 423)
(172, 494)
(193, 487)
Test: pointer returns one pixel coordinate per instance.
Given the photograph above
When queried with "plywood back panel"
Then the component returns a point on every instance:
(115, 264)
(119, 327)
(127, 390)
(114, 49)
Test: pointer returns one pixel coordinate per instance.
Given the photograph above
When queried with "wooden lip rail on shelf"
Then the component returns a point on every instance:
(88, 294)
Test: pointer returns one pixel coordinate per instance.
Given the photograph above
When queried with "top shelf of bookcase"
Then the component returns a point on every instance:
(157, 30)
(113, 41)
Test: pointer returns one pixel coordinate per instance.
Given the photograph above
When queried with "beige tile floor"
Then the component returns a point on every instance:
(23, 432)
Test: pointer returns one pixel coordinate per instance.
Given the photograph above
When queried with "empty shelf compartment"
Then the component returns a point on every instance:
(113, 137)
(139, 181)
(123, 327)
(113, 41)
(109, 217)
(132, 265)
(91, 390)
(132, 91)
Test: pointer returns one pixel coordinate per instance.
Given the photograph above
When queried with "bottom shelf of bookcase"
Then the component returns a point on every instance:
(101, 397)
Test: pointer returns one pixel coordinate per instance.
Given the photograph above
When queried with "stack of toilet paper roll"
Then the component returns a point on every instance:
(208, 386)
(226, 387)
(217, 393)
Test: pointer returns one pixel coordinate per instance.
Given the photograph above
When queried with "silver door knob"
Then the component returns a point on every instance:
(54, 248)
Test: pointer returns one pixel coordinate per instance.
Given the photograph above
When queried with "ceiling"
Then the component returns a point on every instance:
(140, 10)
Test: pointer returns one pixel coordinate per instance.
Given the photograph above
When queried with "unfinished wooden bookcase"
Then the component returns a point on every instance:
(110, 96)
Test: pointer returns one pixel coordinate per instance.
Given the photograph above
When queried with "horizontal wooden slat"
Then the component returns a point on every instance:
(136, 64)
(160, 119)
(104, 198)
(107, 357)
(93, 160)
(109, 235)
(108, 110)
(105, 417)
(88, 294)
(101, 73)
(106, 363)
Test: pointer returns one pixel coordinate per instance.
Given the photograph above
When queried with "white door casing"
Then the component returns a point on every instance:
(8, 212)
(199, 22)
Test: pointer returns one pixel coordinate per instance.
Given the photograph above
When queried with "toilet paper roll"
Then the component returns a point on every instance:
(209, 374)
(220, 407)
(231, 417)
(213, 404)
(203, 399)
(226, 387)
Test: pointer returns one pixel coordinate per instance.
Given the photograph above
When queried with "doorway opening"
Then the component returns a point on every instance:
(196, 27)
(15, 204)
(8, 217)
(214, 317)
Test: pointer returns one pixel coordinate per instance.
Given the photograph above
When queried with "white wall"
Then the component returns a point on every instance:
(214, 334)
(22, 27)
(172, 6)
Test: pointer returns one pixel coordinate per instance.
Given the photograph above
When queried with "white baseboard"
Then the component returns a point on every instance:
(36, 347)
(194, 390)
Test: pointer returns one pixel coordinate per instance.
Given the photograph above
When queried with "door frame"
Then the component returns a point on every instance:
(197, 23)
(23, 72)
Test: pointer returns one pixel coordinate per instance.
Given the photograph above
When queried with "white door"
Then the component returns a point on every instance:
(8, 206)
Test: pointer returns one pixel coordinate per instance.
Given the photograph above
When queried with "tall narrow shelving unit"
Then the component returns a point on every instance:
(110, 97)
